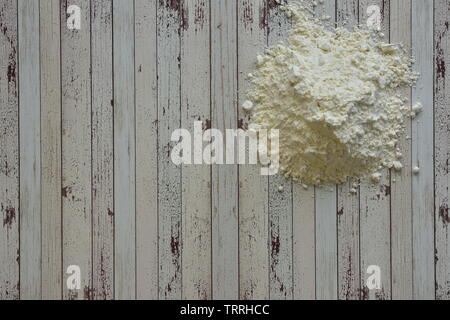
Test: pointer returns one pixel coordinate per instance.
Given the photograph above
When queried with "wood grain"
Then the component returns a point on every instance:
(169, 175)
(76, 149)
(253, 192)
(146, 150)
(280, 203)
(9, 153)
(30, 151)
(196, 179)
(442, 146)
(102, 151)
(423, 153)
(347, 203)
(401, 211)
(124, 151)
(50, 56)
(225, 211)
(375, 198)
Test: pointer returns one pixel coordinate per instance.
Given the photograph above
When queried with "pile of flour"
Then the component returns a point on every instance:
(334, 97)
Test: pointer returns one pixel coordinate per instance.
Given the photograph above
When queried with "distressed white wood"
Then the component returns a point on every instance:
(196, 179)
(50, 35)
(280, 203)
(442, 146)
(401, 213)
(30, 151)
(146, 151)
(304, 241)
(422, 152)
(375, 245)
(253, 192)
(347, 203)
(76, 150)
(225, 234)
(124, 151)
(169, 175)
(102, 151)
(326, 263)
(9, 153)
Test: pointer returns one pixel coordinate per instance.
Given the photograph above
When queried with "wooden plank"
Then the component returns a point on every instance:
(375, 245)
(50, 51)
(253, 192)
(347, 203)
(304, 241)
(280, 203)
(124, 152)
(169, 175)
(225, 234)
(146, 151)
(422, 153)
(401, 214)
(102, 151)
(9, 153)
(76, 149)
(326, 263)
(442, 146)
(196, 179)
(30, 151)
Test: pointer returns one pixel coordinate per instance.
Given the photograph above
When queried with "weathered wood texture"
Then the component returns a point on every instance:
(253, 192)
(347, 15)
(401, 213)
(102, 150)
(9, 152)
(86, 120)
(76, 148)
(30, 151)
(422, 153)
(442, 146)
(196, 180)
(280, 203)
(224, 189)
(124, 151)
(50, 55)
(146, 150)
(169, 175)
(375, 246)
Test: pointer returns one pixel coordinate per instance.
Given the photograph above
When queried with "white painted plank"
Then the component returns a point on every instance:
(442, 146)
(76, 149)
(401, 214)
(196, 179)
(124, 151)
(304, 241)
(169, 175)
(422, 152)
(50, 51)
(9, 153)
(146, 151)
(326, 264)
(225, 233)
(253, 192)
(30, 151)
(280, 203)
(375, 245)
(102, 151)
(347, 203)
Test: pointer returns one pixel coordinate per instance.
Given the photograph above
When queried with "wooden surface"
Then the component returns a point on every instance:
(86, 176)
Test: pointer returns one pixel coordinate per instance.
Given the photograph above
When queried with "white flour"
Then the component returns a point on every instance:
(334, 96)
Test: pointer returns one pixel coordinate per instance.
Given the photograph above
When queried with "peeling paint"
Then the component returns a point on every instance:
(9, 216)
(443, 214)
